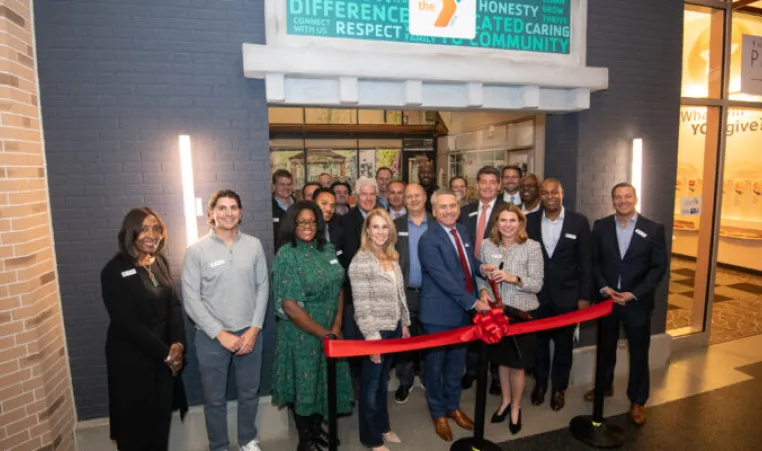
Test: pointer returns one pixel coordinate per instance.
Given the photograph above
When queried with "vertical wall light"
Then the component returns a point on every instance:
(636, 178)
(189, 192)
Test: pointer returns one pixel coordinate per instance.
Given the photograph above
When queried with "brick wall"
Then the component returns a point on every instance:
(119, 81)
(36, 405)
(641, 44)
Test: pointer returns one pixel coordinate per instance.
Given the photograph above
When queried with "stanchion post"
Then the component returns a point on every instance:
(333, 429)
(477, 442)
(595, 430)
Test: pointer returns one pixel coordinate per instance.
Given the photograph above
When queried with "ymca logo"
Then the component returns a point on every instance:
(443, 18)
(447, 14)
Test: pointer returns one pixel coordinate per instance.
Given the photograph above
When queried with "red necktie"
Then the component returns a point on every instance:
(463, 262)
(480, 230)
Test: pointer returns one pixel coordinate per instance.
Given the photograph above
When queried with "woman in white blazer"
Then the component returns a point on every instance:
(381, 313)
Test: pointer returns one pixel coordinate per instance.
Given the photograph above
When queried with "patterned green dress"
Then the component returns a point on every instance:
(312, 278)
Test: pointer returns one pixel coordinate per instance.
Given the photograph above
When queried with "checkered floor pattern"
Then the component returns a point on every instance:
(737, 310)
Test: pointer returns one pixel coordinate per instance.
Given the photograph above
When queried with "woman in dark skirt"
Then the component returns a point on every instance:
(145, 339)
(519, 276)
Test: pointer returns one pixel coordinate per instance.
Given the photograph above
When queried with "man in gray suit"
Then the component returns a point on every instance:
(410, 227)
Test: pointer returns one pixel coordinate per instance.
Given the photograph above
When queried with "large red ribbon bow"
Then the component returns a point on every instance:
(491, 326)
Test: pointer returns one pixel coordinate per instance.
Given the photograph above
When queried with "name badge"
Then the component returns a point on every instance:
(499, 256)
(216, 264)
(334, 262)
(276, 219)
(641, 233)
(473, 213)
(402, 234)
(129, 272)
(468, 244)
(571, 236)
(339, 252)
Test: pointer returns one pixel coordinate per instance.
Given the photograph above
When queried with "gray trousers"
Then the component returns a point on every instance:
(214, 362)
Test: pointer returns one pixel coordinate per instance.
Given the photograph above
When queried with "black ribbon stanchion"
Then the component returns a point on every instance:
(478, 442)
(595, 430)
(333, 427)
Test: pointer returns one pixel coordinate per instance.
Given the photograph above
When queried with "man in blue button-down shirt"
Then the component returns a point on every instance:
(629, 261)
(410, 227)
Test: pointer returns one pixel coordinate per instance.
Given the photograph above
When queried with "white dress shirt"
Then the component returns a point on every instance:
(551, 231)
(512, 198)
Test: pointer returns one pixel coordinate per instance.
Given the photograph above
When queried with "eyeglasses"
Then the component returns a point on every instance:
(305, 224)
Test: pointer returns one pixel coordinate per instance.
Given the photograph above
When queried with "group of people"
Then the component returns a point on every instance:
(405, 260)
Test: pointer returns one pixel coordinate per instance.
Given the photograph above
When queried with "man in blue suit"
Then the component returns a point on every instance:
(448, 268)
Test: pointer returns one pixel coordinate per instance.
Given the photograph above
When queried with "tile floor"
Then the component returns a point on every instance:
(690, 372)
(737, 311)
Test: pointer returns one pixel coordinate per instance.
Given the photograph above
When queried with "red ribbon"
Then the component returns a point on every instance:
(492, 326)
(488, 328)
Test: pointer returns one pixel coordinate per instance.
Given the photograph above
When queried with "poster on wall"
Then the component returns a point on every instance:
(368, 163)
(542, 26)
(390, 158)
(690, 205)
(742, 178)
(341, 164)
(751, 65)
(290, 160)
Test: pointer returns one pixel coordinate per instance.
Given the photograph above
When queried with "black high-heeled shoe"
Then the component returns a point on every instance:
(515, 428)
(498, 417)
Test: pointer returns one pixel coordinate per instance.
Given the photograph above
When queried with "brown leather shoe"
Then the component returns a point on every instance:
(590, 396)
(558, 400)
(462, 420)
(442, 427)
(638, 414)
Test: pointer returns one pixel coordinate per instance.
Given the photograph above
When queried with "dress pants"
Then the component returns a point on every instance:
(636, 319)
(444, 369)
(214, 362)
(563, 344)
(374, 386)
(407, 363)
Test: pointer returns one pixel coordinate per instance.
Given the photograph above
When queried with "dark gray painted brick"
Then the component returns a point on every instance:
(641, 44)
(118, 82)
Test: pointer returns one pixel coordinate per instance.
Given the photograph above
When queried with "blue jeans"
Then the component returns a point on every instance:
(214, 362)
(444, 370)
(374, 386)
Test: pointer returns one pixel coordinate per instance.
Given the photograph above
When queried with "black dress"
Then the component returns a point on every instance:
(516, 351)
(144, 321)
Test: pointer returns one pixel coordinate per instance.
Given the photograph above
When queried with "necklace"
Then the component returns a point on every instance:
(154, 281)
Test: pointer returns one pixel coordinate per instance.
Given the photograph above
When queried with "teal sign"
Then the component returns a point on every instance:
(529, 25)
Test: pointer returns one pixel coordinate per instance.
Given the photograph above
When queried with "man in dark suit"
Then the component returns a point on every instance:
(326, 200)
(283, 197)
(410, 227)
(629, 261)
(565, 239)
(448, 274)
(427, 179)
(477, 217)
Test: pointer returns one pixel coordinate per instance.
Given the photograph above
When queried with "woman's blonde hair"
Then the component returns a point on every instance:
(494, 230)
(365, 243)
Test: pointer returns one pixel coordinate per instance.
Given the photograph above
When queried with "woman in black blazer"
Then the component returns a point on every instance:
(146, 336)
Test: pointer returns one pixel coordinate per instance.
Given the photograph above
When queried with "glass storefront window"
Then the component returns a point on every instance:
(336, 116)
(377, 117)
(692, 229)
(742, 24)
(702, 52)
(285, 115)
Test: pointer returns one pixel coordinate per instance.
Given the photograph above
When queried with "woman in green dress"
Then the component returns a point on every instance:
(307, 280)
